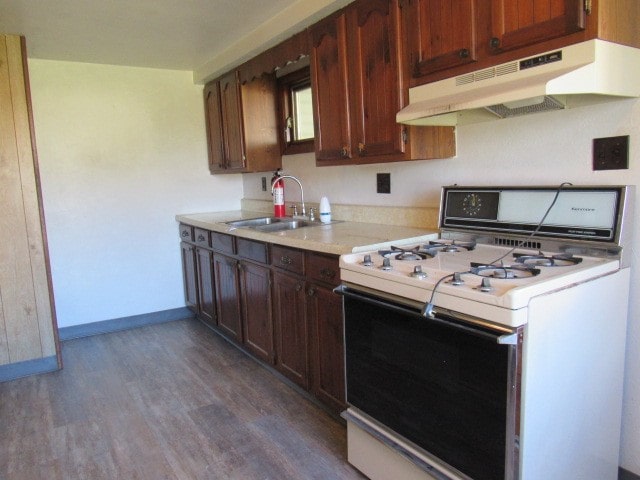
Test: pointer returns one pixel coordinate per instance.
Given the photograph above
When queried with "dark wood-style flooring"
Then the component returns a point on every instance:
(167, 401)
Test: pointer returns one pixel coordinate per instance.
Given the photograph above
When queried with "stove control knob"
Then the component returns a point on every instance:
(418, 273)
(485, 286)
(386, 264)
(366, 261)
(457, 279)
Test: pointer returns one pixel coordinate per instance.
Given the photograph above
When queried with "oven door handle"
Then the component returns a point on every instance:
(496, 336)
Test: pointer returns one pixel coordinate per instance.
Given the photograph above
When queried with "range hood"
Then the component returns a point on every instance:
(585, 73)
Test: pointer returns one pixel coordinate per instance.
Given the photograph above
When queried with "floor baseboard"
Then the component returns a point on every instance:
(124, 323)
(16, 370)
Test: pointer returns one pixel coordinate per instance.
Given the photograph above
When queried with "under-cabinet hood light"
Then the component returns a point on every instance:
(582, 74)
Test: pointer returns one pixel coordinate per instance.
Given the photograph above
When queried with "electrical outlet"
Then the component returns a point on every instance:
(611, 153)
(264, 184)
(383, 182)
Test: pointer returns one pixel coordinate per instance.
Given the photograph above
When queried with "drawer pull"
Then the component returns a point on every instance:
(201, 238)
(298, 287)
(311, 292)
(328, 273)
(285, 260)
(185, 233)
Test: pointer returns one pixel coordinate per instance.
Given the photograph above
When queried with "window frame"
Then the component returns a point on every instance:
(286, 84)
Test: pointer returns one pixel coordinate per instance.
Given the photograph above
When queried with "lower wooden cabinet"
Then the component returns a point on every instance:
(292, 357)
(275, 302)
(227, 291)
(188, 254)
(255, 291)
(326, 342)
(205, 286)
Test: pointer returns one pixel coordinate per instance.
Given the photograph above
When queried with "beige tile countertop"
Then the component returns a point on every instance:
(335, 238)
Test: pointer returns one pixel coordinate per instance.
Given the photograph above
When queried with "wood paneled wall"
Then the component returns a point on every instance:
(28, 329)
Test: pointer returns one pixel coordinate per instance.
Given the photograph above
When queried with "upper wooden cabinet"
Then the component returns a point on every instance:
(518, 24)
(330, 89)
(441, 34)
(241, 123)
(445, 38)
(359, 84)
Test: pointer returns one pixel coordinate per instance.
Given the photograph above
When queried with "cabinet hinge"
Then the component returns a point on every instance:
(588, 4)
(405, 135)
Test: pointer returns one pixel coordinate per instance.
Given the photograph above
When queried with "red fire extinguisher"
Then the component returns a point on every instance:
(278, 194)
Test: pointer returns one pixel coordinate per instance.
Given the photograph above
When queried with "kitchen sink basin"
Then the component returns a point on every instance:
(286, 225)
(272, 224)
(255, 222)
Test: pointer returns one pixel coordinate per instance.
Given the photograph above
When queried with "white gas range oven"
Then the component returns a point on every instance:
(497, 351)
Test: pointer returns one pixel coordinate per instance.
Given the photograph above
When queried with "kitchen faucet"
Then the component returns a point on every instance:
(282, 177)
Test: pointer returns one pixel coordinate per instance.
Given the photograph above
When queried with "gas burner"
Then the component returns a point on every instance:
(413, 253)
(452, 246)
(504, 272)
(542, 260)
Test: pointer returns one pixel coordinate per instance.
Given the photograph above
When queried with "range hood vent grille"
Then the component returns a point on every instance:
(487, 73)
(545, 104)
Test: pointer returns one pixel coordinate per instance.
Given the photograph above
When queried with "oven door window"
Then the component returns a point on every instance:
(439, 386)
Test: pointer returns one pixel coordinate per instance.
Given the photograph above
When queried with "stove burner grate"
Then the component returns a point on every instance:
(413, 253)
(452, 246)
(504, 272)
(542, 260)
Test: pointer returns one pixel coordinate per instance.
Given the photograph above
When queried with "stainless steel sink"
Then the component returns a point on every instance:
(272, 224)
(255, 222)
(285, 225)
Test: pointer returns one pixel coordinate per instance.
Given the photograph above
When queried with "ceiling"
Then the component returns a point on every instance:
(168, 34)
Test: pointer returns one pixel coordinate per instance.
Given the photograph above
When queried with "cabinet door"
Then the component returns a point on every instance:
(376, 93)
(440, 34)
(324, 310)
(255, 285)
(291, 328)
(518, 24)
(330, 89)
(227, 296)
(188, 253)
(206, 293)
(213, 119)
(232, 121)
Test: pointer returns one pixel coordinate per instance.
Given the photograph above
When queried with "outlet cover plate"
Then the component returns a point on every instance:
(383, 183)
(611, 153)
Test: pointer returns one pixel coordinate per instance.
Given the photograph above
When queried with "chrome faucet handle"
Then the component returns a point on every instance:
(312, 214)
(294, 207)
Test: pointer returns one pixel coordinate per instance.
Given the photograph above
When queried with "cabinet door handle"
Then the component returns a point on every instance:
(298, 287)
(494, 42)
(361, 148)
(344, 152)
(185, 233)
(285, 260)
(311, 292)
(464, 53)
(201, 238)
(327, 273)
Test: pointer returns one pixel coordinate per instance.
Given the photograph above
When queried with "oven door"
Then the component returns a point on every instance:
(448, 384)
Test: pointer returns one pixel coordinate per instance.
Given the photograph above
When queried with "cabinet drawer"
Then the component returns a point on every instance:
(252, 250)
(222, 242)
(186, 233)
(201, 237)
(323, 268)
(288, 259)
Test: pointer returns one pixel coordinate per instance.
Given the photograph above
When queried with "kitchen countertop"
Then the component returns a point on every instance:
(335, 238)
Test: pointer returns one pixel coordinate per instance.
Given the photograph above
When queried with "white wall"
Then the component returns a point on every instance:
(540, 149)
(121, 151)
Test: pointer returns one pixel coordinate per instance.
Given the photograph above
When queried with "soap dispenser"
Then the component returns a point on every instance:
(325, 210)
